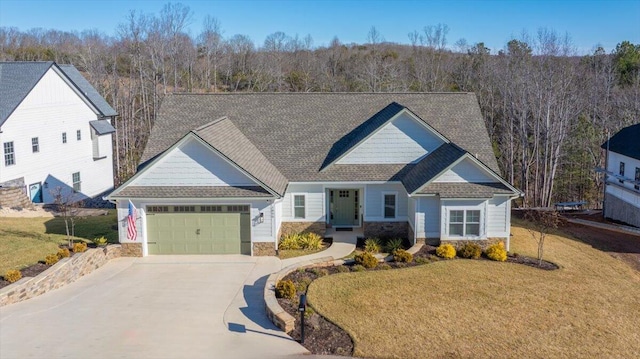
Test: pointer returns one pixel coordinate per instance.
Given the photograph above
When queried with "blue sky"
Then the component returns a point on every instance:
(494, 22)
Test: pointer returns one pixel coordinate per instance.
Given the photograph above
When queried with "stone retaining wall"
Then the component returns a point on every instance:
(387, 229)
(11, 197)
(264, 249)
(320, 228)
(66, 271)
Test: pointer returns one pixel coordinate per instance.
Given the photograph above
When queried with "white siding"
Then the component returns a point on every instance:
(429, 217)
(629, 196)
(260, 232)
(411, 210)
(448, 205)
(373, 201)
(466, 171)
(402, 140)
(51, 108)
(314, 202)
(630, 165)
(192, 164)
(497, 217)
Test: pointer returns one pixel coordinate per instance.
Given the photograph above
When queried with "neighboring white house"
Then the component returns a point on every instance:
(55, 131)
(622, 194)
(230, 173)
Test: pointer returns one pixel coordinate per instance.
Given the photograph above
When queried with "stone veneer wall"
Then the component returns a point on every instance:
(320, 228)
(11, 197)
(387, 229)
(131, 249)
(264, 249)
(65, 271)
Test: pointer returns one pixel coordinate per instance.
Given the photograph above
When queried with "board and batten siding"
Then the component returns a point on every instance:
(314, 202)
(373, 202)
(402, 140)
(193, 164)
(498, 210)
(465, 171)
(51, 108)
(428, 217)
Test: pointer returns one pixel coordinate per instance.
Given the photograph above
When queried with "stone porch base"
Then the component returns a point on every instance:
(387, 230)
(264, 249)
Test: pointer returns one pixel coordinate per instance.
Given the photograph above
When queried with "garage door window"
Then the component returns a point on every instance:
(199, 209)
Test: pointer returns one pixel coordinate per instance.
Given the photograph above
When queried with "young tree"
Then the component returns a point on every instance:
(541, 223)
(68, 204)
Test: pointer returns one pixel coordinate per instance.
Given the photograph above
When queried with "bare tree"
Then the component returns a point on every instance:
(68, 204)
(541, 224)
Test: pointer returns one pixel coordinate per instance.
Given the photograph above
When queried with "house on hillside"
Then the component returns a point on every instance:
(230, 173)
(55, 131)
(622, 176)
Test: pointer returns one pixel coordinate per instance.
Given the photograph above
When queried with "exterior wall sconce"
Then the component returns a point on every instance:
(261, 218)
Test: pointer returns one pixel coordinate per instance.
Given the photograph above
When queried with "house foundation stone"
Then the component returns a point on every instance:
(131, 249)
(264, 249)
(319, 228)
(387, 229)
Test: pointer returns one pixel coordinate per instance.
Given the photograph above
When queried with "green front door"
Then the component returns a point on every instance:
(344, 207)
(199, 233)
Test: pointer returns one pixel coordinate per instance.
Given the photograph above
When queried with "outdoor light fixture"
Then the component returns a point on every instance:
(302, 307)
(261, 219)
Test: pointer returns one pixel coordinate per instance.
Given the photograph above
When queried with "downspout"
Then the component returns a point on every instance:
(605, 179)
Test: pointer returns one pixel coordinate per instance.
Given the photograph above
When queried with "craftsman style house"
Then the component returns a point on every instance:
(622, 176)
(230, 173)
(55, 131)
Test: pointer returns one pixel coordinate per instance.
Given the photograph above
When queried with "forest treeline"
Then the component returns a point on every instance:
(547, 109)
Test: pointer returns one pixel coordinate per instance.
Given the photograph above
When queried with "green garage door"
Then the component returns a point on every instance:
(198, 230)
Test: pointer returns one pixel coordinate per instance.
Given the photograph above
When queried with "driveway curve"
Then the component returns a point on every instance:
(152, 307)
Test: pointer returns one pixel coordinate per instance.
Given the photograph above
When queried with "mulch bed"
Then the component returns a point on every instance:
(32, 270)
(325, 338)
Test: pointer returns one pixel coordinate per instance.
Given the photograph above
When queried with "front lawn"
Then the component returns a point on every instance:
(481, 309)
(25, 241)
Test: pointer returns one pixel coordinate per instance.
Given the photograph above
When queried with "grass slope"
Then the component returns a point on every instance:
(480, 309)
(25, 241)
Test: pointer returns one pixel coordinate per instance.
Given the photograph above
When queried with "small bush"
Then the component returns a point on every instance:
(79, 247)
(308, 312)
(290, 241)
(366, 260)
(285, 289)
(393, 245)
(446, 251)
(401, 255)
(497, 252)
(319, 272)
(470, 250)
(384, 266)
(358, 268)
(303, 284)
(51, 259)
(422, 260)
(12, 276)
(372, 245)
(433, 258)
(100, 241)
(63, 253)
(401, 265)
(343, 269)
(310, 241)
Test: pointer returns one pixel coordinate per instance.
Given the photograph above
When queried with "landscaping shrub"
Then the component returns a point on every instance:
(470, 250)
(51, 259)
(358, 268)
(393, 245)
(446, 251)
(63, 253)
(343, 269)
(303, 284)
(12, 276)
(366, 260)
(79, 247)
(319, 272)
(285, 289)
(290, 241)
(433, 258)
(422, 260)
(310, 241)
(100, 241)
(372, 245)
(400, 255)
(384, 266)
(497, 252)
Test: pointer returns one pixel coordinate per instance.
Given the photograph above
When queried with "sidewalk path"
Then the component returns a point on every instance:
(343, 244)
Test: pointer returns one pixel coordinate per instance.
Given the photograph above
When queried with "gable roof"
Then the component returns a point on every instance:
(225, 137)
(465, 189)
(431, 166)
(18, 78)
(297, 131)
(626, 142)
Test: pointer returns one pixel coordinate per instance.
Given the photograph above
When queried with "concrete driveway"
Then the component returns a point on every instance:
(154, 307)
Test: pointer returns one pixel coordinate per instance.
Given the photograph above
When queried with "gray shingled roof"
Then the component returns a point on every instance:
(89, 91)
(225, 137)
(191, 192)
(626, 142)
(465, 189)
(102, 127)
(296, 131)
(431, 165)
(16, 81)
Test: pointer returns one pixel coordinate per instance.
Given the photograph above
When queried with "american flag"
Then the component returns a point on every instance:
(132, 232)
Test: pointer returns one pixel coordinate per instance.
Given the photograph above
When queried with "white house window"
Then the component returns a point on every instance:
(9, 154)
(35, 145)
(76, 181)
(464, 223)
(78, 135)
(299, 206)
(64, 137)
(390, 205)
(637, 186)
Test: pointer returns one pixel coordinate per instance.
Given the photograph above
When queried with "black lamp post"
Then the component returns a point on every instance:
(301, 308)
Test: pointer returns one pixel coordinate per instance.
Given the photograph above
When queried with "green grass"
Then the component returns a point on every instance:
(290, 253)
(25, 241)
(482, 309)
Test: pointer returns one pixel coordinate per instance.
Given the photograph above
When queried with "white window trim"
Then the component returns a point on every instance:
(12, 153)
(293, 205)
(386, 193)
(446, 211)
(73, 182)
(64, 138)
(35, 144)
